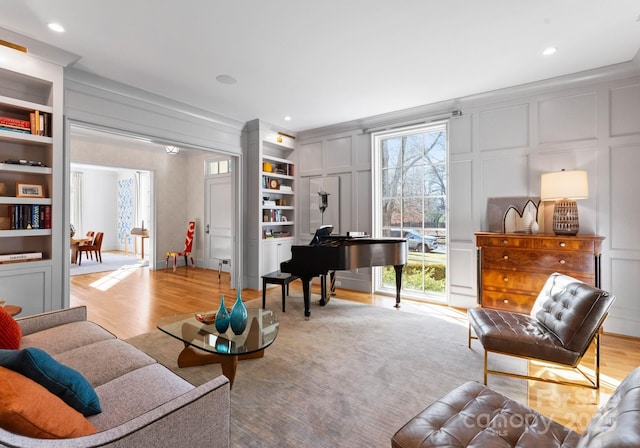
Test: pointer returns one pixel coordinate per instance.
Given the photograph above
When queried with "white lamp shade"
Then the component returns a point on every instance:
(564, 185)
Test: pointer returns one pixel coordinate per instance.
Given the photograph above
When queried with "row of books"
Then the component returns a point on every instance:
(29, 216)
(39, 123)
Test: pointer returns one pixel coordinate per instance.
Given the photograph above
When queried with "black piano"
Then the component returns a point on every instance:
(329, 253)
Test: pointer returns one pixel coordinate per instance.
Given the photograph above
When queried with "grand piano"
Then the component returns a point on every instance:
(329, 253)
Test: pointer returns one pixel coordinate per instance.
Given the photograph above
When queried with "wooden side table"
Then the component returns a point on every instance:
(13, 309)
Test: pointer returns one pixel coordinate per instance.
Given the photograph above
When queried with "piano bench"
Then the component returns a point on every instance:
(276, 278)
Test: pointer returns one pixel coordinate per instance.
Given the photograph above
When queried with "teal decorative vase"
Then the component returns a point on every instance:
(222, 317)
(238, 316)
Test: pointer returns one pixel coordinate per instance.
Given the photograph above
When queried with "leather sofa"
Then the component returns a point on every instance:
(475, 416)
(143, 403)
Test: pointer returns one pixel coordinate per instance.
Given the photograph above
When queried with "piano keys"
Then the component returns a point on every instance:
(342, 253)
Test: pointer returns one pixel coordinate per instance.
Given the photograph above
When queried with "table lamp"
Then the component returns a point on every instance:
(564, 187)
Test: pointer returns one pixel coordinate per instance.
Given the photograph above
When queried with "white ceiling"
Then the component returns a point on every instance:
(328, 61)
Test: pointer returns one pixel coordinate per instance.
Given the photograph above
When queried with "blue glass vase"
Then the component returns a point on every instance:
(222, 317)
(238, 316)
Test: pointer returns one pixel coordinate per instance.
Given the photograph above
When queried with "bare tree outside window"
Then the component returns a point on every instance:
(413, 204)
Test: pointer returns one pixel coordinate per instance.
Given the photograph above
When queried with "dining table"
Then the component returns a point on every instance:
(77, 242)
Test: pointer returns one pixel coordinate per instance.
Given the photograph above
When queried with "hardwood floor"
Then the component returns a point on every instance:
(129, 303)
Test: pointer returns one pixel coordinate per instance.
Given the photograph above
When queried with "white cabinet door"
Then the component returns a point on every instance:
(275, 252)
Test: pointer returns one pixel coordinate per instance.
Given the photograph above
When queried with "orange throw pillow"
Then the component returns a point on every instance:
(10, 331)
(28, 409)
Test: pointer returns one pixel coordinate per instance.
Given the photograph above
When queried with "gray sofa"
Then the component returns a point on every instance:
(143, 403)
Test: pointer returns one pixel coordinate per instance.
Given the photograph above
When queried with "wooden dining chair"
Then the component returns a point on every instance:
(91, 234)
(90, 249)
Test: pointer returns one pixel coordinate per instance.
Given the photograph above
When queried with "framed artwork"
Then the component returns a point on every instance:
(29, 190)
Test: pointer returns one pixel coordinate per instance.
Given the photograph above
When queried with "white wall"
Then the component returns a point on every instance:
(100, 204)
(499, 147)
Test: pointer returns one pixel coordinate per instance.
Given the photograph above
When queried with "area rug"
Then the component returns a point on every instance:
(350, 376)
(110, 262)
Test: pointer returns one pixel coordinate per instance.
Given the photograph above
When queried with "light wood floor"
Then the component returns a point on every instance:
(129, 303)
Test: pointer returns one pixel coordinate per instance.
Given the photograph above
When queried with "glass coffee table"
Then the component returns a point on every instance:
(204, 345)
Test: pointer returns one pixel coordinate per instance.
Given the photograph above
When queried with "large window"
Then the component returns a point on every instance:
(410, 202)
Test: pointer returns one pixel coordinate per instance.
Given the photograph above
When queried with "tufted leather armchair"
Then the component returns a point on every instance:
(475, 416)
(564, 321)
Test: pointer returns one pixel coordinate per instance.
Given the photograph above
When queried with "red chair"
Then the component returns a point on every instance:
(188, 244)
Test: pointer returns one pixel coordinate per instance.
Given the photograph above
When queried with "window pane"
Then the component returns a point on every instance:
(391, 152)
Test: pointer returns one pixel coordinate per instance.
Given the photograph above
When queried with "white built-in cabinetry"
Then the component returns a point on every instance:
(271, 189)
(31, 196)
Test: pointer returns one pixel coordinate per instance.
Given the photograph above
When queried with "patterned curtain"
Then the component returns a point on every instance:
(126, 209)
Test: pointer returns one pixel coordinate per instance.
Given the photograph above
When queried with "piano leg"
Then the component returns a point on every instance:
(325, 294)
(306, 291)
(398, 269)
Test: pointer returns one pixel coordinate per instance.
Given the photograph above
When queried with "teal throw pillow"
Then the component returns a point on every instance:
(68, 384)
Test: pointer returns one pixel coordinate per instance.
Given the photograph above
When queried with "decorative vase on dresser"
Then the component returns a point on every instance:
(513, 267)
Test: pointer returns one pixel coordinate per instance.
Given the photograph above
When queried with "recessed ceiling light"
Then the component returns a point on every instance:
(549, 51)
(226, 79)
(56, 27)
(287, 118)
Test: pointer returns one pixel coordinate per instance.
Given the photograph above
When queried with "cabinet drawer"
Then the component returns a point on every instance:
(564, 244)
(547, 261)
(517, 281)
(520, 303)
(503, 241)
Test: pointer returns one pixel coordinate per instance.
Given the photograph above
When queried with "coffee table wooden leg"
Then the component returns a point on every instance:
(229, 365)
(189, 357)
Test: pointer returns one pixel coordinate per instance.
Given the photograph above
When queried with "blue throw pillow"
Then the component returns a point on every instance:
(60, 380)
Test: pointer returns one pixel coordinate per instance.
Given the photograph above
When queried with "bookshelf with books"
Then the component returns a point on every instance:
(31, 235)
(271, 227)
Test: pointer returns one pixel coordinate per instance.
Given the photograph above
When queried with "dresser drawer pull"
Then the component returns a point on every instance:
(563, 244)
(506, 257)
(505, 301)
(562, 262)
(505, 279)
(505, 241)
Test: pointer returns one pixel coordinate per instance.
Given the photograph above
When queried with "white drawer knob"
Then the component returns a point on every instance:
(506, 257)
(563, 244)
(506, 279)
(562, 262)
(506, 300)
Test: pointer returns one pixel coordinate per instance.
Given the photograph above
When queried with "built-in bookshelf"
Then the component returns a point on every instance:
(30, 181)
(278, 198)
(271, 190)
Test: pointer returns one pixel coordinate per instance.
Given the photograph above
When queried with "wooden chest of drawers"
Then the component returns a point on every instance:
(512, 268)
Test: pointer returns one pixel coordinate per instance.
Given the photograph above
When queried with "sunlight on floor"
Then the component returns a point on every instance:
(114, 277)
(442, 312)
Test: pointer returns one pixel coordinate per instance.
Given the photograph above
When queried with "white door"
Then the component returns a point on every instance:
(219, 228)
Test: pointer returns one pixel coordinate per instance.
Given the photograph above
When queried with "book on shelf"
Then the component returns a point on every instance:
(269, 203)
(39, 123)
(18, 258)
(14, 123)
(285, 188)
(21, 131)
(29, 216)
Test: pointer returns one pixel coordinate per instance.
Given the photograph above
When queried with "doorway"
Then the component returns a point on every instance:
(220, 232)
